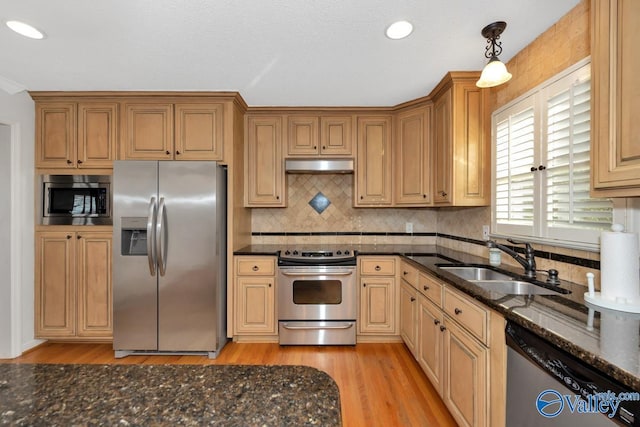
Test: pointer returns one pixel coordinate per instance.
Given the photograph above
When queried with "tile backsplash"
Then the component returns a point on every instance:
(456, 228)
(339, 216)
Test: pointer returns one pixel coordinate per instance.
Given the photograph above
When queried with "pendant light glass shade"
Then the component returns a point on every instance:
(494, 73)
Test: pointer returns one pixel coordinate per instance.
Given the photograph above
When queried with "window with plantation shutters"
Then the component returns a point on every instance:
(542, 165)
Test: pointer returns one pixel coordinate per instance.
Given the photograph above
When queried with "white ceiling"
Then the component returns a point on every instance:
(274, 52)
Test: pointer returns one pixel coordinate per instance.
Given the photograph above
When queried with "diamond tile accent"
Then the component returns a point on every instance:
(319, 202)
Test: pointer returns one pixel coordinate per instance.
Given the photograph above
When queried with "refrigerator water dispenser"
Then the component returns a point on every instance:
(134, 236)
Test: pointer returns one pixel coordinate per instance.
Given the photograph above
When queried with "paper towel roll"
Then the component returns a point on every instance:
(619, 265)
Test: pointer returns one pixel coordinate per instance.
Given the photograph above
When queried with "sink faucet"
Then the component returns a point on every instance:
(528, 261)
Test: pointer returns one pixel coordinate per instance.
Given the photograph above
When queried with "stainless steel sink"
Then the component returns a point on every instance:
(513, 287)
(475, 273)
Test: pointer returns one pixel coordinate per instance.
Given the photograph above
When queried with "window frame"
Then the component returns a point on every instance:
(538, 232)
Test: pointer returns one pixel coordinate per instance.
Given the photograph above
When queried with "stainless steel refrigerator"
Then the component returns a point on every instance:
(169, 260)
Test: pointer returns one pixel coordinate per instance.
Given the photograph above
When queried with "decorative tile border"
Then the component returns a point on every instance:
(568, 259)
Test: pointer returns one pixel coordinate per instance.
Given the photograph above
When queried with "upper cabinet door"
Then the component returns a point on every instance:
(147, 131)
(264, 183)
(373, 174)
(302, 136)
(443, 149)
(413, 157)
(199, 133)
(97, 134)
(615, 100)
(336, 137)
(56, 135)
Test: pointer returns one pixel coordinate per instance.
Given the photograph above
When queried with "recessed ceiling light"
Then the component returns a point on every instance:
(399, 30)
(25, 30)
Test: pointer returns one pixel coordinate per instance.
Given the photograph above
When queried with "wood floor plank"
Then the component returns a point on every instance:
(380, 384)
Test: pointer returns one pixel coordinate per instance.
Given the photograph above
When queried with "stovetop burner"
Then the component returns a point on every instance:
(293, 256)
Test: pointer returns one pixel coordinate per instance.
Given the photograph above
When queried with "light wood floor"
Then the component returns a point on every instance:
(380, 384)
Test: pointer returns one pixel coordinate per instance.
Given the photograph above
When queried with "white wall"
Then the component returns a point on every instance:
(16, 334)
(5, 241)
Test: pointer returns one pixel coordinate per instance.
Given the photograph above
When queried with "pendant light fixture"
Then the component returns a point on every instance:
(495, 72)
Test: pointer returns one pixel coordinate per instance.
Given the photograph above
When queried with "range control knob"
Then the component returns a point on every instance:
(339, 253)
(295, 252)
(287, 252)
(346, 252)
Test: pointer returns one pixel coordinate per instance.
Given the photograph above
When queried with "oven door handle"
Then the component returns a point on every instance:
(343, 326)
(317, 273)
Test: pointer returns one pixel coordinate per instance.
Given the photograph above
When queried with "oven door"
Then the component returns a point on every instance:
(317, 293)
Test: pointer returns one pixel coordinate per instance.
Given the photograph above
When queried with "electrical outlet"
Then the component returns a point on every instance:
(408, 227)
(485, 232)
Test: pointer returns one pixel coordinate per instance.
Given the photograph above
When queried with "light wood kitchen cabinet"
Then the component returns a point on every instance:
(76, 135)
(412, 152)
(255, 296)
(615, 104)
(465, 376)
(319, 135)
(430, 345)
(373, 162)
(264, 183)
(148, 131)
(461, 142)
(377, 294)
(73, 285)
(460, 346)
(409, 315)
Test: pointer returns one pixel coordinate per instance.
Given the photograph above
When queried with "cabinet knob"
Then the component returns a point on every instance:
(78, 237)
(364, 285)
(405, 273)
(324, 148)
(178, 152)
(457, 311)
(168, 152)
(315, 147)
(277, 197)
(361, 197)
(79, 162)
(255, 268)
(377, 268)
(442, 328)
(436, 322)
(69, 162)
(68, 236)
(424, 196)
(426, 288)
(443, 194)
(269, 284)
(413, 299)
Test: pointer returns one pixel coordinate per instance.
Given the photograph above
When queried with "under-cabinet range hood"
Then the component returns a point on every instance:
(301, 165)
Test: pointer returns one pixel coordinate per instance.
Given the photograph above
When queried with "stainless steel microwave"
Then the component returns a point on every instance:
(76, 199)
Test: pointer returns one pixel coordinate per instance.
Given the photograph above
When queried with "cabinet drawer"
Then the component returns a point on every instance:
(469, 315)
(255, 266)
(431, 288)
(378, 266)
(409, 273)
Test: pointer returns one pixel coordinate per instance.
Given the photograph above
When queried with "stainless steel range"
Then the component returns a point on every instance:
(317, 297)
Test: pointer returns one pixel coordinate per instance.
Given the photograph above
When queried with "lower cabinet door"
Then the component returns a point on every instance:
(55, 284)
(465, 376)
(408, 315)
(94, 284)
(255, 306)
(377, 302)
(430, 351)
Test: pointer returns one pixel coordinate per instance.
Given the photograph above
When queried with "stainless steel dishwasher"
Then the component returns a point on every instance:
(548, 387)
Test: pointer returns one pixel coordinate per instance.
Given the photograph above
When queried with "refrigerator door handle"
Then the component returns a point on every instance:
(151, 247)
(161, 238)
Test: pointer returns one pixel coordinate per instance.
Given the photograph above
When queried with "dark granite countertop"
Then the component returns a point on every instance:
(189, 395)
(610, 342)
